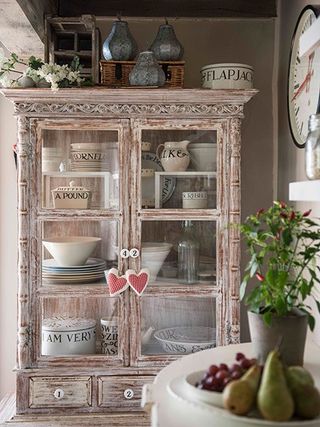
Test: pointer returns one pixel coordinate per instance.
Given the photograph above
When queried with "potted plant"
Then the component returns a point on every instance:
(283, 245)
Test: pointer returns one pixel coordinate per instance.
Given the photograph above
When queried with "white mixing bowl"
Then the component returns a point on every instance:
(71, 250)
(153, 255)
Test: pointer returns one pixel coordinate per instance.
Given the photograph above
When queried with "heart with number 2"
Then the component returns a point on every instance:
(138, 281)
(116, 283)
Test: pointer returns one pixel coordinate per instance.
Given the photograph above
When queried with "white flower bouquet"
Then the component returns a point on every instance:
(54, 75)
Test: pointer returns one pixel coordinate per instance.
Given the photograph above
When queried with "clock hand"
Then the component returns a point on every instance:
(303, 84)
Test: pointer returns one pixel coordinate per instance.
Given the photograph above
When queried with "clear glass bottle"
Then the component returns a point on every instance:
(312, 148)
(188, 255)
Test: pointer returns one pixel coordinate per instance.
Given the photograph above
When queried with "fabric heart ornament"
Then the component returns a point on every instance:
(138, 282)
(116, 283)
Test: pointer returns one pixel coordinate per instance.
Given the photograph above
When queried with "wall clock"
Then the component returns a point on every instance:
(303, 80)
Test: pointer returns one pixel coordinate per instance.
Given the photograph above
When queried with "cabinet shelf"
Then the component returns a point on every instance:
(180, 214)
(172, 289)
(305, 191)
(97, 288)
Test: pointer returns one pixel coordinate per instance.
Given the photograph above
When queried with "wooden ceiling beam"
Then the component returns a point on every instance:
(170, 8)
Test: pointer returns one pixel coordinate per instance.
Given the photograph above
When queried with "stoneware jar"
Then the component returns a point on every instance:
(174, 157)
(166, 46)
(147, 71)
(119, 45)
(63, 335)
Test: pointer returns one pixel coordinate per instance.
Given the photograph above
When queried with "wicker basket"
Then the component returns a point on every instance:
(116, 73)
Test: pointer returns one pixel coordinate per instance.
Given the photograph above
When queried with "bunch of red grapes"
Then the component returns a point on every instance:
(218, 376)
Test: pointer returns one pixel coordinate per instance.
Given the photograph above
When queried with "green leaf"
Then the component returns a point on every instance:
(287, 236)
(267, 317)
(311, 322)
(318, 304)
(243, 287)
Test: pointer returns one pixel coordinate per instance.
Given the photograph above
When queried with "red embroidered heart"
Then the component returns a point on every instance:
(138, 282)
(116, 284)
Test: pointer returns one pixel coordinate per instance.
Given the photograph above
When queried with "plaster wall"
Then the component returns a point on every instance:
(291, 158)
(8, 249)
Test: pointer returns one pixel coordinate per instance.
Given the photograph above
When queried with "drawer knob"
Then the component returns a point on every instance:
(59, 393)
(128, 393)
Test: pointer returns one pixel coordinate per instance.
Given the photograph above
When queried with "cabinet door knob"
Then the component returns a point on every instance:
(134, 253)
(128, 393)
(58, 393)
(125, 253)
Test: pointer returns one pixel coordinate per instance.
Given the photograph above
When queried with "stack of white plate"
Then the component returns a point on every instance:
(93, 157)
(91, 271)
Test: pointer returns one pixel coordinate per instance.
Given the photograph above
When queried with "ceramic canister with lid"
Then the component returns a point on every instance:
(63, 335)
(71, 197)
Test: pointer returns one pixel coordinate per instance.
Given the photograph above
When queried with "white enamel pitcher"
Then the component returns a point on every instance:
(174, 157)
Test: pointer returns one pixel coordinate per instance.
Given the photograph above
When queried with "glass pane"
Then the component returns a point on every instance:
(177, 325)
(80, 169)
(79, 325)
(78, 252)
(178, 169)
(179, 252)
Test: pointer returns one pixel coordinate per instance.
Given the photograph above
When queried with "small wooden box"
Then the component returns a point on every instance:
(116, 73)
(66, 38)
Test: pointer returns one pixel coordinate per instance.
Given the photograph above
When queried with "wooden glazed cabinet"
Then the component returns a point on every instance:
(95, 385)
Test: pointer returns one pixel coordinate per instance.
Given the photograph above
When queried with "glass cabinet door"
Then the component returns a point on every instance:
(176, 226)
(79, 222)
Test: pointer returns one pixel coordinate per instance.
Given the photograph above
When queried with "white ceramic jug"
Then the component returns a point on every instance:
(174, 157)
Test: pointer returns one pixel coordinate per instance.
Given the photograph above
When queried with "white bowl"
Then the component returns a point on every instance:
(68, 335)
(203, 156)
(153, 255)
(196, 394)
(227, 76)
(186, 339)
(71, 250)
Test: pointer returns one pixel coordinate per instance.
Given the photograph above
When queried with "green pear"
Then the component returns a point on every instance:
(274, 398)
(306, 397)
(239, 395)
(298, 374)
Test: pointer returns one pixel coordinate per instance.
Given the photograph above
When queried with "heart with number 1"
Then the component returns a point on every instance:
(138, 281)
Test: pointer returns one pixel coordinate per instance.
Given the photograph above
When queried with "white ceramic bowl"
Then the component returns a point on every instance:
(196, 394)
(68, 335)
(227, 76)
(153, 255)
(186, 339)
(203, 156)
(71, 250)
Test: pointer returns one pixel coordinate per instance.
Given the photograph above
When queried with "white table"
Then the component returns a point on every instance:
(167, 411)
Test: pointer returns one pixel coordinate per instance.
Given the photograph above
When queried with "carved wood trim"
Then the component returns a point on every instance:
(24, 345)
(156, 109)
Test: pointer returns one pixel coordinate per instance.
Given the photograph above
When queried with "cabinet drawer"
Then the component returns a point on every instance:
(56, 392)
(121, 392)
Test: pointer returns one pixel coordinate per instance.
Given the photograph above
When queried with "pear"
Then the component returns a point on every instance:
(298, 374)
(239, 395)
(306, 397)
(274, 398)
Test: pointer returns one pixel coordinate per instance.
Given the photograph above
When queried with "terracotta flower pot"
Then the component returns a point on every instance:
(292, 329)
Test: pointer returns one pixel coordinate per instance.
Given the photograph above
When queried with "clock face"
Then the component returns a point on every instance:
(303, 81)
